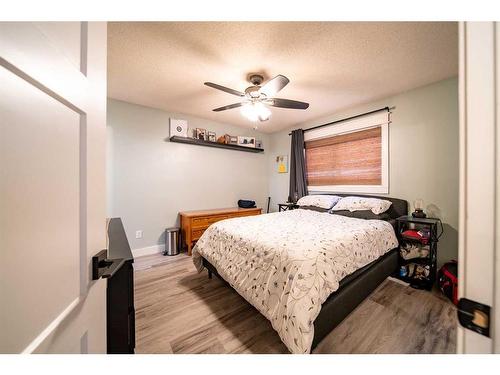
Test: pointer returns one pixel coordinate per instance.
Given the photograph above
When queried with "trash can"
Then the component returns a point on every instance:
(171, 241)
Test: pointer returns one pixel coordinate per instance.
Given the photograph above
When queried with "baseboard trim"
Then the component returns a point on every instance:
(148, 250)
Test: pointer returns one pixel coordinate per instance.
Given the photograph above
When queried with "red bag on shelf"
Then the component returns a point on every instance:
(416, 235)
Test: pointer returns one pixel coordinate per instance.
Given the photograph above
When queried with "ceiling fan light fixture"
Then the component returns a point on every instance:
(255, 112)
(248, 111)
(262, 111)
(257, 97)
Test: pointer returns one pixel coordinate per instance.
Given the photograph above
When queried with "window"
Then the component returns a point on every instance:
(350, 156)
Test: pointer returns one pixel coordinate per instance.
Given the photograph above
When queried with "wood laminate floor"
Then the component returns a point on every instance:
(181, 311)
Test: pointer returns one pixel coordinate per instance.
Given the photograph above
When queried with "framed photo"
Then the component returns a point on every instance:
(201, 134)
(212, 137)
(282, 163)
(258, 143)
(232, 140)
(246, 141)
(178, 127)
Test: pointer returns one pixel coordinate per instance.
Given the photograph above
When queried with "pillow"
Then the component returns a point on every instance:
(377, 206)
(322, 201)
(362, 214)
(317, 209)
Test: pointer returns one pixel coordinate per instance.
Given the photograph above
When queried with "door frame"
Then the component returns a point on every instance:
(479, 182)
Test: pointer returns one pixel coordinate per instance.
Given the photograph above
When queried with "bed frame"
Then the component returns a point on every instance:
(354, 288)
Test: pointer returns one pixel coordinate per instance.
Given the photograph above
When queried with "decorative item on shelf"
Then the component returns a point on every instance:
(178, 127)
(201, 134)
(232, 140)
(282, 163)
(222, 139)
(212, 137)
(246, 141)
(419, 209)
(258, 143)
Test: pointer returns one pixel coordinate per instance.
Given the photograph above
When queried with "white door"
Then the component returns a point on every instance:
(52, 186)
(479, 233)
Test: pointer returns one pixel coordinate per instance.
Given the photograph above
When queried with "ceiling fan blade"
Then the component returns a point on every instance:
(226, 89)
(273, 86)
(230, 106)
(286, 103)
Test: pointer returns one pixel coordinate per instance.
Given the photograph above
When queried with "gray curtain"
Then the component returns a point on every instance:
(298, 183)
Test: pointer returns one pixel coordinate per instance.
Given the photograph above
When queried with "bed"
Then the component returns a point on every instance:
(304, 270)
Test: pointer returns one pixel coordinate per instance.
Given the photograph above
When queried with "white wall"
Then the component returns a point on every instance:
(151, 179)
(423, 151)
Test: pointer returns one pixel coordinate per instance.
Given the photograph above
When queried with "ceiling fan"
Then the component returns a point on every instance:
(256, 98)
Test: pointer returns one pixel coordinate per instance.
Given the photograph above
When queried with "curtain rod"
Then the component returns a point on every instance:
(348, 118)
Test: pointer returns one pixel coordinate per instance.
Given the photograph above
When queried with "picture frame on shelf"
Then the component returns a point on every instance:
(246, 141)
(178, 128)
(201, 134)
(232, 140)
(258, 143)
(212, 137)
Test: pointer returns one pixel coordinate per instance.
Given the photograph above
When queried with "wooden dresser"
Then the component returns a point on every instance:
(194, 223)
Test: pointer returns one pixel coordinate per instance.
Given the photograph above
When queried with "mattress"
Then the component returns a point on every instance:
(287, 264)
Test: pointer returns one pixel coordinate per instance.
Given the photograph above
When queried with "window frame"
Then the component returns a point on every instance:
(351, 126)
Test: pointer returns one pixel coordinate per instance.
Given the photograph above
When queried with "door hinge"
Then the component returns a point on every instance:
(474, 316)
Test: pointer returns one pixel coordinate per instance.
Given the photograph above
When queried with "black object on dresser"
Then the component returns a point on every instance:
(418, 238)
(120, 293)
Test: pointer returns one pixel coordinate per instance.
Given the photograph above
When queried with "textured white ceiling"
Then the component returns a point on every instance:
(331, 65)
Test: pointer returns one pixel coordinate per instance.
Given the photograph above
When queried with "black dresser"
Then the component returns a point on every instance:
(120, 293)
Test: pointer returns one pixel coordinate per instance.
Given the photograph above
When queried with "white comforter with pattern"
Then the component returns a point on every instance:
(287, 264)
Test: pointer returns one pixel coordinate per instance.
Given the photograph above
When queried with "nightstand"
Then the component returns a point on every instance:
(287, 206)
(418, 238)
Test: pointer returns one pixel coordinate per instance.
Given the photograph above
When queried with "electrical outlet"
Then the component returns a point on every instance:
(138, 234)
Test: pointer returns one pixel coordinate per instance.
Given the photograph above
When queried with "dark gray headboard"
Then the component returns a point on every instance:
(399, 207)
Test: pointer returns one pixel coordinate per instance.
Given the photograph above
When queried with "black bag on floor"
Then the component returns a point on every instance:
(243, 203)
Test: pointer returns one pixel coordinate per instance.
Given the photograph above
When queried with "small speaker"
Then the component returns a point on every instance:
(178, 127)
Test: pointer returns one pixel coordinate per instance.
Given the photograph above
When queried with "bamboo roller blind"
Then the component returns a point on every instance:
(345, 159)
